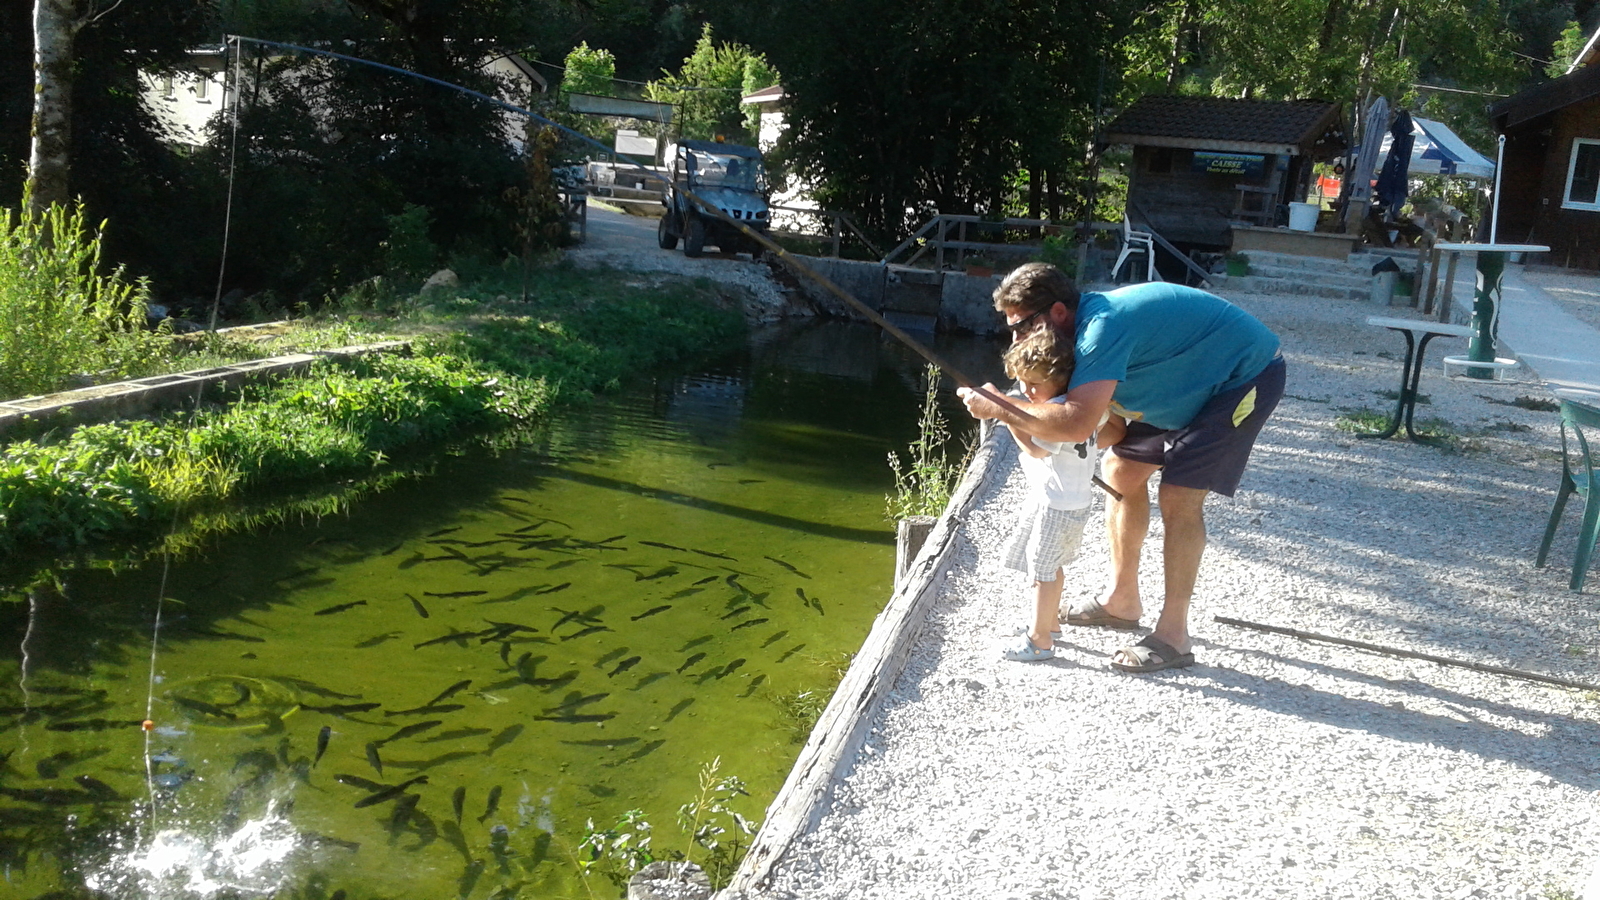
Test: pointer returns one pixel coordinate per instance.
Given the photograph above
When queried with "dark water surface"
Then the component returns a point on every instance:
(550, 634)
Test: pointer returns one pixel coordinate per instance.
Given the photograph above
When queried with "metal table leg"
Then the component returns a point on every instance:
(1406, 378)
(1410, 399)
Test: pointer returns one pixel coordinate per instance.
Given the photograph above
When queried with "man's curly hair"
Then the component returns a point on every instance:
(1034, 286)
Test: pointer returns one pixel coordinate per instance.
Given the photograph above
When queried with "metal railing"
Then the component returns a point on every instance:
(834, 227)
(955, 232)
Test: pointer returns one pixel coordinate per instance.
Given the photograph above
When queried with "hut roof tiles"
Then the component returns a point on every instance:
(1290, 127)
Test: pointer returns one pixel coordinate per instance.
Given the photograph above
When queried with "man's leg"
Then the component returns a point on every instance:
(1183, 541)
(1127, 524)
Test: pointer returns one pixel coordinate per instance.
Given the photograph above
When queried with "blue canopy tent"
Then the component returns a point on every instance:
(1438, 151)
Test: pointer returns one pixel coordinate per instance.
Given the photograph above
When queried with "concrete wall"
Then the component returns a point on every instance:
(956, 301)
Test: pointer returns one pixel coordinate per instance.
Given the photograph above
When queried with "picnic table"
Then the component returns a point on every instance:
(1417, 332)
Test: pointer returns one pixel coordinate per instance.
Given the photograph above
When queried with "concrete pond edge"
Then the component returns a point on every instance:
(124, 399)
(839, 731)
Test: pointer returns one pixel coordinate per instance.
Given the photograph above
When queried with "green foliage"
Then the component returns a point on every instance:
(1060, 251)
(60, 315)
(926, 479)
(707, 89)
(589, 72)
(1566, 49)
(408, 255)
(718, 834)
(618, 851)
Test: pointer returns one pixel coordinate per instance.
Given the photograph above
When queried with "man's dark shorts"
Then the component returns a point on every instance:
(1210, 452)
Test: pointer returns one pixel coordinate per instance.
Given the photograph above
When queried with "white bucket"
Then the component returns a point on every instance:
(1303, 216)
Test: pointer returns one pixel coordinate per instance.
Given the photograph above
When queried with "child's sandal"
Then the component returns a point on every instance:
(1023, 650)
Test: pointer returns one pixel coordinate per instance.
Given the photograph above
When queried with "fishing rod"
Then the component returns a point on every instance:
(766, 243)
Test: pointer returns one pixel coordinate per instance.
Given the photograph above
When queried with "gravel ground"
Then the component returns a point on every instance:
(1275, 767)
(620, 241)
(1577, 293)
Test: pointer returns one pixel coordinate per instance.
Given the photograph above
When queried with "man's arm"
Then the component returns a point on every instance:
(1068, 423)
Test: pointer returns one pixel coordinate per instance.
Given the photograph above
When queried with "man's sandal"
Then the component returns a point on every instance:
(1151, 655)
(1091, 613)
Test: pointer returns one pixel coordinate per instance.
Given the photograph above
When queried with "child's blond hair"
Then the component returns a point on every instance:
(1043, 356)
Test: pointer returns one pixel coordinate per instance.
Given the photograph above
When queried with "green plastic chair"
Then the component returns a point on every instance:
(1582, 480)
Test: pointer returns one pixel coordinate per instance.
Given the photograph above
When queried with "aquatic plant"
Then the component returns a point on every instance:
(927, 477)
(60, 316)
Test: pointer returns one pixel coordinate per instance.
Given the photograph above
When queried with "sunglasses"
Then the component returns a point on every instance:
(1020, 326)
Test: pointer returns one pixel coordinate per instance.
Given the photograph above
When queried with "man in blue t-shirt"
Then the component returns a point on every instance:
(1195, 377)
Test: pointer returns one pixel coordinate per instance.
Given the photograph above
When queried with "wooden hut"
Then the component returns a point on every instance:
(1550, 177)
(1201, 164)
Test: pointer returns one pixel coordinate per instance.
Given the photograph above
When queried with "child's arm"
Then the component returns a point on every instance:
(1112, 431)
(1025, 443)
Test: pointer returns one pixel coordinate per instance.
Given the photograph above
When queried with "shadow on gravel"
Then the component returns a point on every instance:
(1577, 739)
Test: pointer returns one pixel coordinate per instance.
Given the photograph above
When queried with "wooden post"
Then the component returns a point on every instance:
(1423, 253)
(910, 534)
(1433, 280)
(837, 228)
(1449, 287)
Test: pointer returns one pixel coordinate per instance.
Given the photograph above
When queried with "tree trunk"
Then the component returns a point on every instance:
(55, 26)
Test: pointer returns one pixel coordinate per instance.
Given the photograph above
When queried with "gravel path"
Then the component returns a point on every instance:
(1275, 767)
(620, 241)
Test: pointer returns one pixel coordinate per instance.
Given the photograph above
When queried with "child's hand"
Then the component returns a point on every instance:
(978, 405)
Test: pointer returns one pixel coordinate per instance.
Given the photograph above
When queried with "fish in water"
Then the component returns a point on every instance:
(686, 592)
(98, 788)
(373, 759)
(690, 645)
(339, 709)
(377, 639)
(738, 612)
(776, 637)
(358, 781)
(455, 734)
(505, 737)
(430, 709)
(322, 743)
(451, 691)
(445, 639)
(712, 555)
(755, 683)
(811, 602)
(787, 566)
(663, 572)
(444, 531)
(411, 730)
(624, 666)
(650, 612)
(554, 588)
(391, 550)
(747, 624)
(679, 707)
(562, 564)
(609, 743)
(403, 811)
(451, 595)
(458, 798)
(417, 605)
(571, 615)
(691, 661)
(298, 573)
(578, 719)
(664, 546)
(492, 805)
(648, 680)
(707, 580)
(732, 667)
(201, 706)
(389, 793)
(733, 582)
(592, 629)
(317, 689)
(340, 608)
(790, 652)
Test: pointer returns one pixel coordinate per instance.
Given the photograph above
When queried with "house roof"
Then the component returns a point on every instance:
(1292, 127)
(1541, 99)
(765, 95)
(1588, 55)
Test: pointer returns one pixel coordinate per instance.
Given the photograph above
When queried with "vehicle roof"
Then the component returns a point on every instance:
(719, 147)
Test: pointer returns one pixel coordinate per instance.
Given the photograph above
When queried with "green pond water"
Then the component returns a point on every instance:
(523, 641)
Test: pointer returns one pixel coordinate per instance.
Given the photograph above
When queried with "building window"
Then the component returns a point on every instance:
(201, 85)
(166, 86)
(1583, 176)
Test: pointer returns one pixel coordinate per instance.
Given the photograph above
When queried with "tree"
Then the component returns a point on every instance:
(56, 24)
(707, 89)
(1566, 50)
(588, 71)
(938, 106)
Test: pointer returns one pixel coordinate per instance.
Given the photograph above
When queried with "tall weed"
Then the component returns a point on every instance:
(926, 478)
(59, 315)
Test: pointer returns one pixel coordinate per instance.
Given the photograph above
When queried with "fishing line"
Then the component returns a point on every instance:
(148, 725)
(766, 243)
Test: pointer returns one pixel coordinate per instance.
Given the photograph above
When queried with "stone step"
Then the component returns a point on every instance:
(1345, 278)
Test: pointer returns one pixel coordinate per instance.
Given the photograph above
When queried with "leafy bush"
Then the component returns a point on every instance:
(59, 316)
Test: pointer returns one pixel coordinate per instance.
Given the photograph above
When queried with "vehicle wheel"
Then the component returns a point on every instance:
(664, 235)
(694, 240)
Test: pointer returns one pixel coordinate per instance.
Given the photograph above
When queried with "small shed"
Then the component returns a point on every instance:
(1201, 164)
(1550, 178)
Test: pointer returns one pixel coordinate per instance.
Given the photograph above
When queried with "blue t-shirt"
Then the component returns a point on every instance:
(1169, 348)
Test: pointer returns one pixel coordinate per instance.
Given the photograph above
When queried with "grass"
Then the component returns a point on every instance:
(1435, 431)
(484, 365)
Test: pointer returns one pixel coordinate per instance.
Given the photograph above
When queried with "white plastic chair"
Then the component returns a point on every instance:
(1136, 242)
